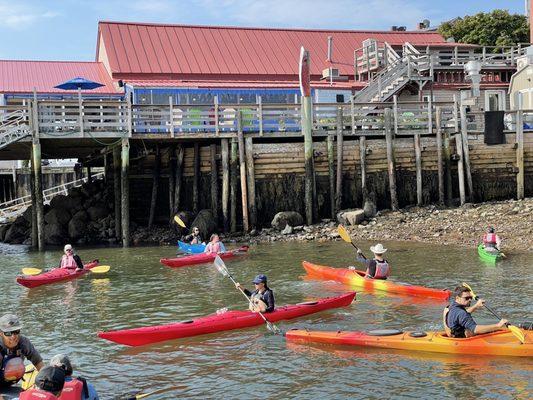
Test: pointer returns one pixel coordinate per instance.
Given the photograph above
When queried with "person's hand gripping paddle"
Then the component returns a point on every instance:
(221, 267)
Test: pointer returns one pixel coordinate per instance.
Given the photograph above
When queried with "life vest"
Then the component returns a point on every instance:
(382, 269)
(11, 366)
(73, 389)
(256, 303)
(37, 394)
(490, 238)
(445, 321)
(68, 262)
(213, 248)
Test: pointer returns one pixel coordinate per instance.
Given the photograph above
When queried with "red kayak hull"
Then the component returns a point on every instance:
(202, 258)
(53, 276)
(221, 322)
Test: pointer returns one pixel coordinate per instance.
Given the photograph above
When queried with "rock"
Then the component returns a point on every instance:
(3, 230)
(97, 212)
(54, 234)
(285, 218)
(74, 192)
(59, 216)
(16, 233)
(287, 230)
(27, 214)
(298, 228)
(369, 209)
(66, 202)
(205, 221)
(351, 217)
(77, 227)
(81, 215)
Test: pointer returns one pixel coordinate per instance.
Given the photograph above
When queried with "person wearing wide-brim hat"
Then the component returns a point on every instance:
(378, 267)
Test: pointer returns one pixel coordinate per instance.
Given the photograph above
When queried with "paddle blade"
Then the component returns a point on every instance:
(179, 221)
(273, 328)
(517, 332)
(220, 266)
(101, 269)
(31, 271)
(466, 285)
(344, 234)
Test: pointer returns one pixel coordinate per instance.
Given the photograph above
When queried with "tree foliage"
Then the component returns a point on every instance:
(497, 28)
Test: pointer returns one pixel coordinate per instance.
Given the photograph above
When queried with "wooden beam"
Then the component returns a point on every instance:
(125, 192)
(196, 177)
(307, 126)
(234, 166)
(418, 167)
(340, 156)
(250, 179)
(225, 184)
(440, 171)
(242, 168)
(34, 234)
(466, 153)
(520, 155)
(390, 158)
(460, 167)
(116, 192)
(331, 173)
(155, 186)
(214, 180)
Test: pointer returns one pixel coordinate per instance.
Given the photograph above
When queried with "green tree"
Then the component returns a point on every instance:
(497, 28)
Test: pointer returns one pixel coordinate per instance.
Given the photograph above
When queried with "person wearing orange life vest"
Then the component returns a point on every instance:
(70, 260)
(378, 267)
(48, 385)
(491, 241)
(75, 388)
(14, 348)
(215, 246)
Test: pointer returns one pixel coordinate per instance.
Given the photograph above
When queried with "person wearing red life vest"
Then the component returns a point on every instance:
(70, 260)
(491, 241)
(215, 246)
(75, 388)
(48, 385)
(378, 267)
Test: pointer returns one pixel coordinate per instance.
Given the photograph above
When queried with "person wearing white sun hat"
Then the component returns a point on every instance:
(378, 267)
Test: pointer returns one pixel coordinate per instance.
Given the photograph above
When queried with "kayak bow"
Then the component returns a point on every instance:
(356, 278)
(202, 258)
(221, 322)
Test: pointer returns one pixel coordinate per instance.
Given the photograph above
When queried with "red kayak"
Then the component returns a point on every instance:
(55, 275)
(201, 258)
(221, 322)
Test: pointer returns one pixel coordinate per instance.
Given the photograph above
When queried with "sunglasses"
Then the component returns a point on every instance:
(8, 334)
(467, 298)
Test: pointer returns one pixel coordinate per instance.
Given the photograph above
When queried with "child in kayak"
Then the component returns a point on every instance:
(262, 298)
(215, 246)
(49, 384)
(378, 267)
(78, 386)
(194, 237)
(70, 260)
(491, 241)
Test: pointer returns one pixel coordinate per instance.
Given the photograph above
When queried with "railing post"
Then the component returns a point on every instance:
(80, 111)
(483, 53)
(171, 115)
(379, 88)
(130, 115)
(395, 113)
(455, 55)
(512, 55)
(260, 114)
(217, 126)
(352, 112)
(430, 113)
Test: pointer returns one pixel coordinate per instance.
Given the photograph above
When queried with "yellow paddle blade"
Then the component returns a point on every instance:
(31, 271)
(101, 269)
(179, 221)
(515, 330)
(466, 285)
(344, 234)
(503, 254)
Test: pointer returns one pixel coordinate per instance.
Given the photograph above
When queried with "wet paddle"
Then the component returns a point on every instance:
(514, 329)
(346, 236)
(179, 221)
(221, 267)
(101, 269)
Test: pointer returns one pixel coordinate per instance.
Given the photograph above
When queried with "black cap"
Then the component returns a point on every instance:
(50, 379)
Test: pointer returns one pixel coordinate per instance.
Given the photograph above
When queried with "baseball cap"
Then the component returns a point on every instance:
(259, 279)
(51, 379)
(9, 323)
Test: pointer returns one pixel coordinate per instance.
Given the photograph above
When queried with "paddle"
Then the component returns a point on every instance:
(179, 221)
(514, 329)
(346, 236)
(101, 269)
(221, 267)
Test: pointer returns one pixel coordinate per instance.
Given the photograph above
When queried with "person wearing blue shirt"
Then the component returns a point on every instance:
(85, 389)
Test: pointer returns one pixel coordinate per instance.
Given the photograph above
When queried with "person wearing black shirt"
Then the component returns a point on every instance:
(262, 298)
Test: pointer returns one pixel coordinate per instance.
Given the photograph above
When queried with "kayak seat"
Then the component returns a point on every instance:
(308, 303)
(384, 332)
(418, 334)
(190, 321)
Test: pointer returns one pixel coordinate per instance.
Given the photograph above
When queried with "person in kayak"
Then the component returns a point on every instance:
(78, 388)
(262, 298)
(49, 385)
(70, 260)
(457, 317)
(14, 348)
(491, 241)
(378, 267)
(215, 246)
(194, 237)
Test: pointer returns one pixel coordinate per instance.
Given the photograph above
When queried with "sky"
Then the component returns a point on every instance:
(67, 29)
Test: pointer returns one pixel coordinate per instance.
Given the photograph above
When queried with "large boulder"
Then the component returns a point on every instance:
(206, 223)
(82, 214)
(62, 201)
(97, 212)
(27, 214)
(3, 230)
(59, 216)
(351, 217)
(284, 218)
(55, 234)
(17, 232)
(77, 228)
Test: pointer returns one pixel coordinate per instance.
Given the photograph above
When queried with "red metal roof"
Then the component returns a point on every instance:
(135, 50)
(22, 76)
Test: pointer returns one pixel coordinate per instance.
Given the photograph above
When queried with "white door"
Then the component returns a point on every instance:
(494, 100)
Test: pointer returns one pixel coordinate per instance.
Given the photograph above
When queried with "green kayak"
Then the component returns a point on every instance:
(488, 255)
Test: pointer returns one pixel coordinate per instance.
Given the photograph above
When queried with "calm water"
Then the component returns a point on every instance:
(252, 363)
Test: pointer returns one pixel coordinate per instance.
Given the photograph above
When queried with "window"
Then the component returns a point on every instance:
(494, 100)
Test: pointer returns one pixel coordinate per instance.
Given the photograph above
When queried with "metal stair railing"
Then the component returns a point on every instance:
(13, 127)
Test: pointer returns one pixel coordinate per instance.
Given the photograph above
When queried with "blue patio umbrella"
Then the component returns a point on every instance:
(78, 84)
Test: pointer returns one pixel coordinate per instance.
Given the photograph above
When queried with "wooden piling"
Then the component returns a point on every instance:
(340, 156)
(520, 193)
(171, 184)
(418, 167)
(460, 167)
(331, 173)
(440, 171)
(89, 175)
(155, 186)
(242, 168)
(125, 192)
(390, 158)
(234, 165)
(307, 125)
(447, 168)
(180, 152)
(196, 177)
(466, 153)
(250, 180)
(36, 152)
(225, 184)
(362, 157)
(214, 180)
(34, 234)
(116, 192)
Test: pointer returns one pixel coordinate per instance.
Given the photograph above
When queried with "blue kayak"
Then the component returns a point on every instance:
(191, 248)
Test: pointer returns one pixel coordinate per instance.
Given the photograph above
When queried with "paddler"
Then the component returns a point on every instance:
(215, 246)
(491, 241)
(49, 384)
(378, 267)
(262, 298)
(70, 260)
(77, 388)
(194, 237)
(14, 348)
(457, 318)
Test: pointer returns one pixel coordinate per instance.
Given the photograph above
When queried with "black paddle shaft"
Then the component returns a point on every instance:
(490, 310)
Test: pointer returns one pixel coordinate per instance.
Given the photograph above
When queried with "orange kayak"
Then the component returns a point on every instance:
(356, 278)
(501, 343)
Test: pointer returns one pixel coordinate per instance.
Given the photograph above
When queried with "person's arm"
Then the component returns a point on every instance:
(361, 257)
(476, 306)
(490, 328)
(78, 261)
(269, 300)
(31, 353)
(222, 248)
(245, 291)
